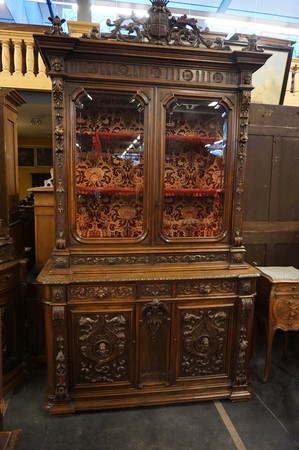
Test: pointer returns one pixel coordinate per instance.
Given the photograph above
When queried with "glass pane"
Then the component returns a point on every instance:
(109, 166)
(195, 154)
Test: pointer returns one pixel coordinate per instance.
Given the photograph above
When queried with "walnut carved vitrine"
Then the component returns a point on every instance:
(148, 298)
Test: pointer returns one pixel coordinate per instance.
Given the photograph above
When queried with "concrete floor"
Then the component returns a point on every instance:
(269, 421)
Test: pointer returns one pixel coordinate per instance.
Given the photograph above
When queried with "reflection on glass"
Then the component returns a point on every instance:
(109, 166)
(195, 154)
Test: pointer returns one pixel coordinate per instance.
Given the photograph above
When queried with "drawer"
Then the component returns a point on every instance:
(286, 310)
(151, 290)
(195, 288)
(287, 287)
(8, 278)
(102, 292)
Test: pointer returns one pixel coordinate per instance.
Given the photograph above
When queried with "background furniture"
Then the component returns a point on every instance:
(277, 303)
(148, 299)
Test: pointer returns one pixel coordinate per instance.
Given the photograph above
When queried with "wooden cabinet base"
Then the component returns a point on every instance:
(148, 340)
(9, 439)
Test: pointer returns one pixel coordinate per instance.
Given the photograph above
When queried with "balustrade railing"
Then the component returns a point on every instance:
(21, 65)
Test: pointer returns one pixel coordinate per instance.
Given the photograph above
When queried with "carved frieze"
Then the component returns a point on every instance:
(205, 287)
(101, 292)
(204, 338)
(109, 260)
(153, 314)
(147, 73)
(103, 347)
(203, 257)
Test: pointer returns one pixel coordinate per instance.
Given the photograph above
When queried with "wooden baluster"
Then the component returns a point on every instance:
(41, 67)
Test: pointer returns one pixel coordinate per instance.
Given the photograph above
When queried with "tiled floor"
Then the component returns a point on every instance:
(269, 421)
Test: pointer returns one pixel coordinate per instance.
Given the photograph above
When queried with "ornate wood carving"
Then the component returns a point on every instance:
(61, 392)
(60, 261)
(203, 257)
(101, 292)
(103, 341)
(205, 287)
(246, 305)
(161, 28)
(204, 338)
(245, 287)
(243, 138)
(109, 260)
(56, 27)
(153, 314)
(155, 290)
(7, 248)
(58, 294)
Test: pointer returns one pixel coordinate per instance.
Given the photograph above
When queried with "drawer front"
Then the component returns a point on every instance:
(8, 278)
(194, 288)
(158, 289)
(286, 311)
(287, 287)
(102, 292)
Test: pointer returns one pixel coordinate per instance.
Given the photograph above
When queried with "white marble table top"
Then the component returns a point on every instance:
(280, 274)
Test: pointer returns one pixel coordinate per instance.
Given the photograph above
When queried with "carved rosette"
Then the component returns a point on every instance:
(153, 314)
(204, 337)
(57, 66)
(58, 294)
(103, 348)
(246, 307)
(241, 157)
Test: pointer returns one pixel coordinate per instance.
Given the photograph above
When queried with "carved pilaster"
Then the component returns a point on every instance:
(241, 159)
(153, 314)
(243, 347)
(57, 65)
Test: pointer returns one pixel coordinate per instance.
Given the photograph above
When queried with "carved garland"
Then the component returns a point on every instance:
(57, 65)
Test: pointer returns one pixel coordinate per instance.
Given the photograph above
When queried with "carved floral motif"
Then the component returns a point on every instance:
(191, 258)
(110, 260)
(61, 392)
(58, 294)
(287, 309)
(246, 305)
(155, 290)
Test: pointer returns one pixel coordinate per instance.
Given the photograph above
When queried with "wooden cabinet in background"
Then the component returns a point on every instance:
(148, 299)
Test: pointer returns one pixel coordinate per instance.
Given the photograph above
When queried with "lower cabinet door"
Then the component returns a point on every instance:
(102, 347)
(204, 341)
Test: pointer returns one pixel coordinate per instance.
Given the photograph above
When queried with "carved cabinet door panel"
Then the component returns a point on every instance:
(203, 341)
(102, 353)
(154, 343)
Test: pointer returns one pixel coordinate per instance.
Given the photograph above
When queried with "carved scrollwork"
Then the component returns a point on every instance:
(60, 261)
(153, 314)
(102, 343)
(160, 27)
(204, 336)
